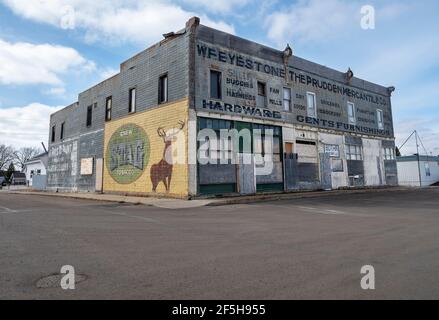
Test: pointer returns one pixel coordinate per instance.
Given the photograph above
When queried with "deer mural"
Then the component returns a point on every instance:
(162, 171)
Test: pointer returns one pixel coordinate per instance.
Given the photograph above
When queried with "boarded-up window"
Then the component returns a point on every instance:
(306, 151)
(289, 148)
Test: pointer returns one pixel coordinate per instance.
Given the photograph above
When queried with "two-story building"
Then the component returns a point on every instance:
(323, 129)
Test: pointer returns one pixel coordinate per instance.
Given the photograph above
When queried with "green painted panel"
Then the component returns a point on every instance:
(217, 189)
(270, 187)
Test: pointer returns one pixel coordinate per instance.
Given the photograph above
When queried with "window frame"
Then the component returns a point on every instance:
(132, 102)
(219, 84)
(380, 122)
(61, 134)
(351, 120)
(53, 138)
(264, 96)
(357, 155)
(285, 89)
(163, 92)
(89, 120)
(314, 115)
(108, 110)
(389, 154)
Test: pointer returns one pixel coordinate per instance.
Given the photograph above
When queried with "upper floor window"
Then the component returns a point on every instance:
(61, 136)
(354, 152)
(351, 113)
(163, 89)
(287, 99)
(380, 119)
(312, 105)
(108, 107)
(132, 100)
(389, 154)
(262, 94)
(215, 84)
(53, 133)
(89, 115)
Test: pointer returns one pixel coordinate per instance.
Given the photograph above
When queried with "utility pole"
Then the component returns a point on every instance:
(419, 158)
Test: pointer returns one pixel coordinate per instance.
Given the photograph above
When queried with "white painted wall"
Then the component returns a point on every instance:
(373, 162)
(408, 173)
(34, 166)
(339, 179)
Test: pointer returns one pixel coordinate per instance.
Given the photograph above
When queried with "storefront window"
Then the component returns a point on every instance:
(354, 152)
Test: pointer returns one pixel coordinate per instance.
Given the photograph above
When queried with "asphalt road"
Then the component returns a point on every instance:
(297, 249)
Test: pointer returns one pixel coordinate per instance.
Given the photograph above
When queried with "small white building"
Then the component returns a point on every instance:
(36, 166)
(414, 172)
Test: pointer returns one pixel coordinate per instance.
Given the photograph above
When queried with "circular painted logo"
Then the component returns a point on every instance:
(127, 153)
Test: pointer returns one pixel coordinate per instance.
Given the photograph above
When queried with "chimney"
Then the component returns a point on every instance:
(193, 23)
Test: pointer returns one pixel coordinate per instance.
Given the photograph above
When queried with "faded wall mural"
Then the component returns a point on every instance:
(140, 152)
(127, 153)
(162, 171)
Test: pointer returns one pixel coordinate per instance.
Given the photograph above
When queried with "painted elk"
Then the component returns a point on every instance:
(162, 171)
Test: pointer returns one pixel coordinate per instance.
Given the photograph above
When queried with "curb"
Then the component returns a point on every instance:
(300, 195)
(212, 202)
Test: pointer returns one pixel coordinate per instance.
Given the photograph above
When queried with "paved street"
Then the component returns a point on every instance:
(292, 249)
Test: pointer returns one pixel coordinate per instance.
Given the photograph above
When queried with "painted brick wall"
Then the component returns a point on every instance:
(166, 117)
(330, 106)
(142, 72)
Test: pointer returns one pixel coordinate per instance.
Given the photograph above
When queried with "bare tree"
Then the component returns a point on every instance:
(6, 156)
(23, 155)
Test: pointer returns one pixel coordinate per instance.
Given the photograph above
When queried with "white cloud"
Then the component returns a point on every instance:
(397, 60)
(27, 63)
(56, 92)
(219, 6)
(139, 21)
(108, 73)
(428, 131)
(26, 126)
(312, 20)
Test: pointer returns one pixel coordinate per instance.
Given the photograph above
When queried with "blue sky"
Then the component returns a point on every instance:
(50, 50)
